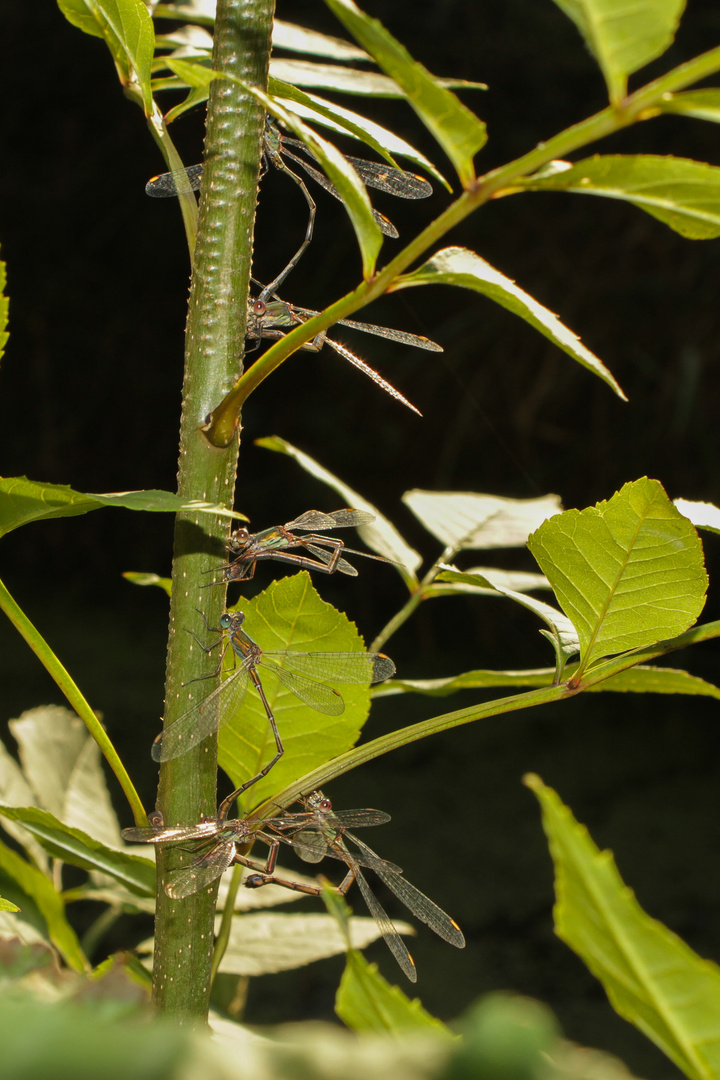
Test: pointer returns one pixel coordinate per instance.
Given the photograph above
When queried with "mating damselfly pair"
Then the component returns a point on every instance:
(314, 833)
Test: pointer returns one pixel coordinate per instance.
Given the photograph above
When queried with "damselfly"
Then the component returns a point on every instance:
(247, 549)
(216, 841)
(272, 319)
(276, 147)
(397, 182)
(319, 832)
(298, 672)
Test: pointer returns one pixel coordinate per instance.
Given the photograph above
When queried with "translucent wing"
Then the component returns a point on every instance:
(414, 900)
(394, 942)
(313, 520)
(317, 695)
(201, 719)
(167, 835)
(371, 374)
(202, 871)
(388, 332)
(169, 184)
(341, 667)
(398, 182)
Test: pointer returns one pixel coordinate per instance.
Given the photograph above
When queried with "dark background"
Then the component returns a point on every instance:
(90, 395)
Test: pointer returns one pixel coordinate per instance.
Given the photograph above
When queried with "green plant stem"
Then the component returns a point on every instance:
(74, 696)
(221, 942)
(644, 104)
(215, 343)
(418, 593)
(360, 755)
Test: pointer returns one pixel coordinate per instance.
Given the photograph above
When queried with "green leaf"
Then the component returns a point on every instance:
(16, 791)
(62, 763)
(138, 577)
(683, 194)
(35, 885)
(699, 104)
(468, 680)
(622, 36)
(7, 905)
(458, 131)
(339, 170)
(627, 572)
(83, 15)
(466, 520)
(645, 679)
(365, 1001)
(128, 32)
(642, 679)
(350, 80)
(289, 614)
(299, 39)
(346, 122)
(269, 942)
(483, 580)
(77, 848)
(381, 536)
(463, 268)
(23, 500)
(4, 306)
(651, 977)
(703, 515)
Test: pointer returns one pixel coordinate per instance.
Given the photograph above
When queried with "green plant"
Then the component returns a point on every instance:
(628, 574)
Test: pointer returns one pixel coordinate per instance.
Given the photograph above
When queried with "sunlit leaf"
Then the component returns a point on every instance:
(127, 29)
(62, 763)
(285, 35)
(365, 1001)
(642, 679)
(77, 848)
(137, 577)
(651, 977)
(683, 194)
(457, 130)
(16, 791)
(622, 36)
(289, 614)
(484, 580)
(627, 572)
(23, 500)
(703, 515)
(463, 268)
(7, 905)
(463, 520)
(269, 942)
(349, 80)
(347, 122)
(699, 104)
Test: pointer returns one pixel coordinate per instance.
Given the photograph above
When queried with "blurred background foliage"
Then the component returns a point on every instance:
(89, 395)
